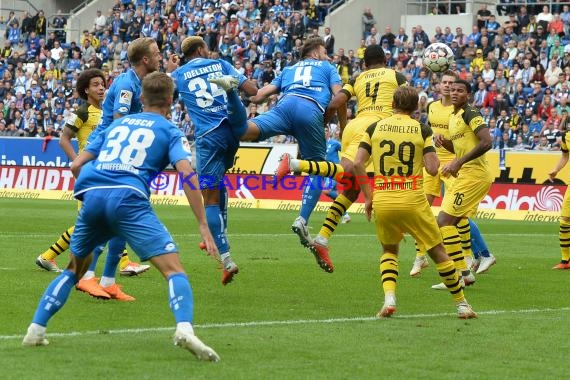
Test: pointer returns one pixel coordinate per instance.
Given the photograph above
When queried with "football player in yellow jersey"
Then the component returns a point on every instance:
(564, 229)
(469, 139)
(91, 87)
(439, 113)
(374, 89)
(400, 147)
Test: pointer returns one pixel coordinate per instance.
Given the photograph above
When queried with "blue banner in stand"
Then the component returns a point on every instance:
(31, 151)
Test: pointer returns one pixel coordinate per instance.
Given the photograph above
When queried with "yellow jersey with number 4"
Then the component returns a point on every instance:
(374, 90)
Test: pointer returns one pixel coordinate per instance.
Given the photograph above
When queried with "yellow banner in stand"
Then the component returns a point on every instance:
(526, 167)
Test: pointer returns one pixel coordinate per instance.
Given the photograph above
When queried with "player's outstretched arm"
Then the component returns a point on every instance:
(65, 143)
(559, 166)
(83, 158)
(196, 202)
(264, 93)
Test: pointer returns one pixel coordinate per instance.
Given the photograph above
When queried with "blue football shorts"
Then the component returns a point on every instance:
(122, 212)
(300, 118)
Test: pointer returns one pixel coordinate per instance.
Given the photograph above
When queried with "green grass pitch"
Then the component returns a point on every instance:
(283, 317)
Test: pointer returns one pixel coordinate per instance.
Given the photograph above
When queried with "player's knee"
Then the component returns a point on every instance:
(252, 132)
(211, 196)
(444, 219)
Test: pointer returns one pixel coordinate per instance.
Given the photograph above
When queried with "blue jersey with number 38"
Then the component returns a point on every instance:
(206, 102)
(130, 152)
(311, 79)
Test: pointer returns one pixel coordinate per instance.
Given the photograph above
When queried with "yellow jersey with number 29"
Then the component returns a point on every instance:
(397, 146)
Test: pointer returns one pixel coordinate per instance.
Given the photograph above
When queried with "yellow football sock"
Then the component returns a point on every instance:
(389, 271)
(60, 246)
(334, 214)
(452, 245)
(564, 237)
(322, 168)
(418, 252)
(124, 260)
(450, 278)
(464, 230)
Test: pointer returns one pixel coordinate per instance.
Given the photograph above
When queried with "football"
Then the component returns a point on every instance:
(438, 57)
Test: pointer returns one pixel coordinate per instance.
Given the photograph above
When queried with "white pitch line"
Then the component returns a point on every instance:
(269, 235)
(286, 323)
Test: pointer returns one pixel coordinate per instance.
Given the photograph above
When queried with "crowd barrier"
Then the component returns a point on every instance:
(33, 169)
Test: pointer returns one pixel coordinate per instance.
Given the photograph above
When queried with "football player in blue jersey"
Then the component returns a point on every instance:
(307, 88)
(123, 98)
(113, 174)
(220, 119)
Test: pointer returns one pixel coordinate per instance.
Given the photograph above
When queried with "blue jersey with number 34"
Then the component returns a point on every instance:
(130, 152)
(206, 102)
(311, 79)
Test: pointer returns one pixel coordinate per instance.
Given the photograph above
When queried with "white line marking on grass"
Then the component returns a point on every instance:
(260, 235)
(285, 323)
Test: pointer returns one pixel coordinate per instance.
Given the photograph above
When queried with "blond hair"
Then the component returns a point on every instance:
(138, 49)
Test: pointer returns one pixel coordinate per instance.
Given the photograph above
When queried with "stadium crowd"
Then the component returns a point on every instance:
(519, 69)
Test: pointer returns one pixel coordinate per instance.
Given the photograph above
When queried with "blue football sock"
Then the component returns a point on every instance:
(180, 297)
(311, 195)
(96, 253)
(216, 225)
(54, 297)
(237, 114)
(477, 242)
(115, 249)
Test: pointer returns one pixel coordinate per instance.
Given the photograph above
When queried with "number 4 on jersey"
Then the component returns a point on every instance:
(303, 74)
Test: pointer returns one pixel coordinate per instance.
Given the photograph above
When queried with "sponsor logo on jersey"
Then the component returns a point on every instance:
(125, 97)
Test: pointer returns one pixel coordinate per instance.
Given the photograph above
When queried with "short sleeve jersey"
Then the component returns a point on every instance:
(206, 102)
(130, 152)
(122, 98)
(397, 145)
(83, 122)
(311, 79)
(463, 128)
(374, 90)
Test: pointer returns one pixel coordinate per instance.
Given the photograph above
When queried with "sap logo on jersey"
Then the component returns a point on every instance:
(125, 97)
